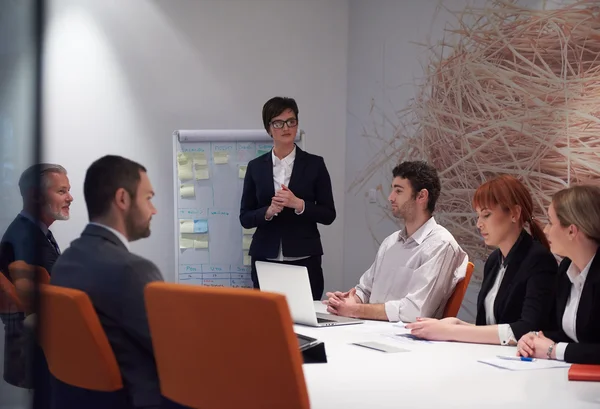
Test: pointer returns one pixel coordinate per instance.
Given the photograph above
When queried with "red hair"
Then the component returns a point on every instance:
(508, 192)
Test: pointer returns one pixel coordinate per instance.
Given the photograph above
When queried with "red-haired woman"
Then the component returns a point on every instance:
(519, 277)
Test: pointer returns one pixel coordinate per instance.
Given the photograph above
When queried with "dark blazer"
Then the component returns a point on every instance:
(298, 234)
(527, 290)
(24, 240)
(99, 264)
(587, 350)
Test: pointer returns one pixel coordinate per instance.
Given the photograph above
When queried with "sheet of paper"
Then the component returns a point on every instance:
(220, 158)
(246, 241)
(201, 172)
(247, 259)
(186, 226)
(524, 366)
(187, 191)
(406, 339)
(184, 172)
(186, 243)
(199, 159)
(249, 231)
(200, 226)
(242, 171)
(201, 244)
(378, 346)
(182, 158)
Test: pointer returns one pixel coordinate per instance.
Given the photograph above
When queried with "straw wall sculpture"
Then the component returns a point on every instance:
(517, 91)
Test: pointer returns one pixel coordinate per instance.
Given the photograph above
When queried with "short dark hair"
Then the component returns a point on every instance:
(104, 177)
(275, 106)
(421, 175)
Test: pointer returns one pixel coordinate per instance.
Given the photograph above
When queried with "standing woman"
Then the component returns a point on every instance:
(286, 193)
(574, 233)
(519, 277)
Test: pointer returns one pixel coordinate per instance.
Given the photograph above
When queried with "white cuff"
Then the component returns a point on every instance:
(505, 333)
(392, 310)
(301, 211)
(560, 349)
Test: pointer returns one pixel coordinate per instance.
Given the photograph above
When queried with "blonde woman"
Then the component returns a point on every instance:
(574, 233)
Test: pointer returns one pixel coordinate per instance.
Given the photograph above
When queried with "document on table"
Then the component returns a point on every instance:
(517, 365)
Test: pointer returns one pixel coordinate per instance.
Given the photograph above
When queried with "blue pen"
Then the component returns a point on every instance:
(517, 358)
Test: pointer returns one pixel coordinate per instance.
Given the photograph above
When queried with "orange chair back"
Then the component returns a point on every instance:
(24, 276)
(207, 339)
(9, 300)
(455, 301)
(75, 345)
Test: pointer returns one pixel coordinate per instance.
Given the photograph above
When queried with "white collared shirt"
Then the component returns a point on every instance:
(505, 332)
(282, 173)
(115, 232)
(414, 276)
(569, 321)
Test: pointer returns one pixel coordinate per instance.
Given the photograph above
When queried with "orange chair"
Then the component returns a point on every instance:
(456, 299)
(207, 340)
(77, 350)
(24, 276)
(9, 301)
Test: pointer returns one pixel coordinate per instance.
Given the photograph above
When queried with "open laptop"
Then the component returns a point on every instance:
(292, 281)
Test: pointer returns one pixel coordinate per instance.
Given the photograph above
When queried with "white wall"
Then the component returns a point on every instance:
(122, 75)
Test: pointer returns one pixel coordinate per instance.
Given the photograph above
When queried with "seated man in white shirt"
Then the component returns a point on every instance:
(416, 268)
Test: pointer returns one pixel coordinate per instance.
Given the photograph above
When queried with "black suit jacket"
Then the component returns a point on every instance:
(527, 290)
(24, 240)
(99, 264)
(587, 350)
(298, 234)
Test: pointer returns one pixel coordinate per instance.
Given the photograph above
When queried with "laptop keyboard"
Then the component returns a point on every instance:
(324, 320)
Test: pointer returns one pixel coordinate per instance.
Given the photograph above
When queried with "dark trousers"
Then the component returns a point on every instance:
(312, 264)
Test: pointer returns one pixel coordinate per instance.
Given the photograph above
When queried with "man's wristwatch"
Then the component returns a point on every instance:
(550, 349)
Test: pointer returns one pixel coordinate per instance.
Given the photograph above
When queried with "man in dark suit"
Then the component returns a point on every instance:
(46, 196)
(118, 196)
(286, 193)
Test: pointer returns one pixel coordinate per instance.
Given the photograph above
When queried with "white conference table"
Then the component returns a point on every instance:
(430, 375)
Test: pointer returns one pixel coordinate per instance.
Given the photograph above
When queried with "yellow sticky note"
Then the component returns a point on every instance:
(184, 171)
(220, 158)
(248, 231)
(201, 244)
(242, 171)
(199, 159)
(246, 241)
(186, 243)
(201, 172)
(187, 191)
(247, 259)
(186, 226)
(182, 158)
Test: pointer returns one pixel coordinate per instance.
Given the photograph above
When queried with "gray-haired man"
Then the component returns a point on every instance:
(46, 198)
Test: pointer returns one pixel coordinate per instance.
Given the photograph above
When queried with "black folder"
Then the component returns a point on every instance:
(313, 350)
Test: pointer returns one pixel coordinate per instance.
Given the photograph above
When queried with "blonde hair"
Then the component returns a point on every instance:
(580, 206)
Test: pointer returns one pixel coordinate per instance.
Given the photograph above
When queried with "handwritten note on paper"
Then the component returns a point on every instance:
(246, 241)
(186, 226)
(186, 243)
(187, 191)
(201, 243)
(199, 159)
(201, 172)
(200, 226)
(242, 171)
(248, 231)
(221, 158)
(182, 158)
(247, 259)
(184, 172)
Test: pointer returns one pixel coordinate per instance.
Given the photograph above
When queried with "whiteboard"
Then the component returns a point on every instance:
(211, 246)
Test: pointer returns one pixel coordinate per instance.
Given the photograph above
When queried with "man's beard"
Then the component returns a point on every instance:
(135, 232)
(56, 215)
